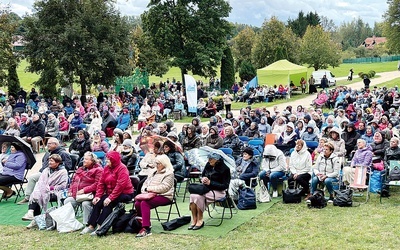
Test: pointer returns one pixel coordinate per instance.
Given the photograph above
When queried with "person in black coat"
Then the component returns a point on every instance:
(216, 177)
(246, 168)
(129, 156)
(81, 144)
(36, 133)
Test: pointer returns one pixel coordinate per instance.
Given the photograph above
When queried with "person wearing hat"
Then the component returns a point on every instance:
(273, 167)
(216, 177)
(350, 138)
(128, 155)
(246, 168)
(13, 170)
(213, 140)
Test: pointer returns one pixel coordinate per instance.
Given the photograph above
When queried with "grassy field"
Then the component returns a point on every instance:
(284, 226)
(27, 79)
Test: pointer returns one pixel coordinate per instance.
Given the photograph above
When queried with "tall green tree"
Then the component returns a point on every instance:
(318, 50)
(354, 33)
(391, 27)
(145, 56)
(8, 58)
(299, 25)
(192, 32)
(242, 45)
(247, 71)
(86, 42)
(227, 69)
(274, 42)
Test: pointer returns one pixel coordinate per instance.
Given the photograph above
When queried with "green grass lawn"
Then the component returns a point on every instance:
(27, 78)
(284, 226)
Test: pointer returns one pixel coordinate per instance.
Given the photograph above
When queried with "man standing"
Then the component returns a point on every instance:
(53, 146)
(324, 82)
(366, 81)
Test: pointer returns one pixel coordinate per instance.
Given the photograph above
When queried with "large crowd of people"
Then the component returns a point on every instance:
(356, 130)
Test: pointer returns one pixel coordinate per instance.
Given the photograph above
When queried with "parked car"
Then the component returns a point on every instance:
(320, 73)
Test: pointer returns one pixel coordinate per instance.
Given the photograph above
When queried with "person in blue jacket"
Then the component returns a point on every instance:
(13, 171)
(123, 119)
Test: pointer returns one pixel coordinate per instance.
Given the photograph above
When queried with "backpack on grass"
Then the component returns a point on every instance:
(317, 200)
(247, 199)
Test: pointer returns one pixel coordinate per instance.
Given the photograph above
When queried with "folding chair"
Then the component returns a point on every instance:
(360, 179)
(75, 163)
(192, 176)
(19, 185)
(227, 151)
(269, 139)
(225, 202)
(244, 139)
(386, 181)
(173, 202)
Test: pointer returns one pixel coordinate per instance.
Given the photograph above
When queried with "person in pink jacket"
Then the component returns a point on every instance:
(114, 186)
(85, 181)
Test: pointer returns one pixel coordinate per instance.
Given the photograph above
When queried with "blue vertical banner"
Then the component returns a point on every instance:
(191, 93)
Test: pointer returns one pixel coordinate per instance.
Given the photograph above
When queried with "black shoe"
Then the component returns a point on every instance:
(191, 227)
(198, 227)
(9, 196)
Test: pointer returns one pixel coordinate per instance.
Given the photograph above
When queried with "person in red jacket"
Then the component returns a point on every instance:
(114, 186)
(64, 124)
(85, 181)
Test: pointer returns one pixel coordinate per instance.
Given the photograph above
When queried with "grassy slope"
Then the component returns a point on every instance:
(27, 79)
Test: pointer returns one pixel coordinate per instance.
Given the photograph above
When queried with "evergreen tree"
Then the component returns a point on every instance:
(247, 71)
(227, 69)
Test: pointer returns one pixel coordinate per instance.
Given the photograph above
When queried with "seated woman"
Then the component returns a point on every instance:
(13, 170)
(76, 124)
(213, 140)
(287, 139)
(147, 164)
(160, 182)
(53, 126)
(322, 98)
(300, 167)
(362, 158)
(128, 156)
(81, 144)
(12, 128)
(96, 123)
(85, 181)
(246, 168)
(52, 180)
(114, 186)
(5, 151)
(216, 176)
(116, 144)
(99, 146)
(177, 160)
(326, 170)
(252, 132)
(273, 167)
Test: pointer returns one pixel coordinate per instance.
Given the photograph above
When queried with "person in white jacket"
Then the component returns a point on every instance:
(326, 170)
(95, 124)
(300, 167)
(273, 167)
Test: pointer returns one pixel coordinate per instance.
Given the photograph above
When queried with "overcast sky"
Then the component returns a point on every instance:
(255, 12)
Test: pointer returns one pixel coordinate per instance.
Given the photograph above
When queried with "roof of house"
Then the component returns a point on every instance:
(370, 42)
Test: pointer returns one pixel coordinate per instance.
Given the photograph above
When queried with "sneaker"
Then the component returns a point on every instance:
(143, 233)
(28, 216)
(275, 194)
(93, 233)
(31, 225)
(87, 230)
(330, 201)
(23, 201)
(308, 201)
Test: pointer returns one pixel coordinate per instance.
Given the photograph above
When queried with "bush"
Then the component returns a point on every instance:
(370, 74)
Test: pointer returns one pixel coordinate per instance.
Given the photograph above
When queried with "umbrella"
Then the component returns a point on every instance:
(25, 147)
(147, 143)
(199, 157)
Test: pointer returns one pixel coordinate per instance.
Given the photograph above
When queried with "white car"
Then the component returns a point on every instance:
(320, 73)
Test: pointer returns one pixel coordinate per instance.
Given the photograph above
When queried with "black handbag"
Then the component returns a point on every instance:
(291, 195)
(198, 188)
(176, 223)
(343, 198)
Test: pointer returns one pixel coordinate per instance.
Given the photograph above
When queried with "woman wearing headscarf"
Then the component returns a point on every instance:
(81, 144)
(216, 176)
(252, 132)
(214, 140)
(287, 139)
(52, 180)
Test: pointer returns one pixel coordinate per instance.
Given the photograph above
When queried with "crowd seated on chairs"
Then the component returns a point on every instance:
(331, 137)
